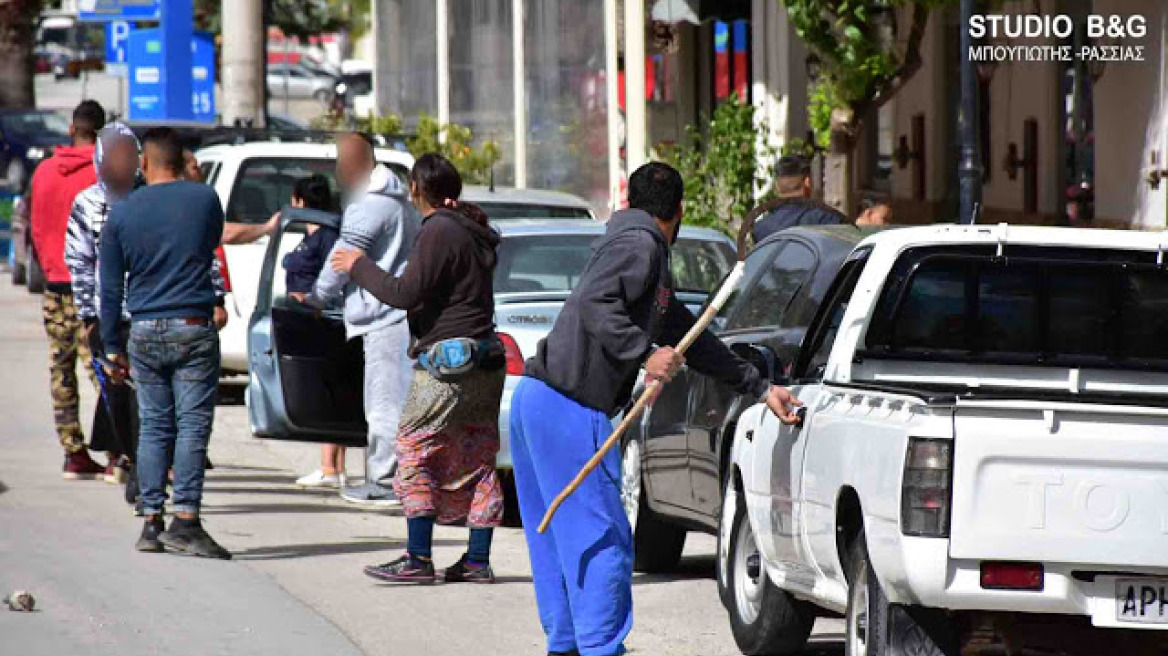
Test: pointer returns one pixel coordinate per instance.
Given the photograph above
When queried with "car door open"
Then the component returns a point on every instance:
(306, 378)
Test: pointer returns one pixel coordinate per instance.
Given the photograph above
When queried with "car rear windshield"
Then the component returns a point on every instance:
(264, 184)
(552, 264)
(503, 211)
(1033, 306)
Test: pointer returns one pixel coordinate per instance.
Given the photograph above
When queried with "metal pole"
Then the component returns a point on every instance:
(970, 168)
(243, 76)
(612, 102)
(637, 124)
(519, 62)
(287, 72)
(442, 36)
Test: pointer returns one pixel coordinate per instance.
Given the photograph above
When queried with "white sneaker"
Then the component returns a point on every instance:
(318, 479)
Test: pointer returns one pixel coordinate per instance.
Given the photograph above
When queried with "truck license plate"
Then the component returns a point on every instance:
(1142, 600)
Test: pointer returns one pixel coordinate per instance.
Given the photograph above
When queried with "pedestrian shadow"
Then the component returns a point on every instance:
(291, 551)
(248, 468)
(282, 479)
(231, 395)
(825, 644)
(290, 491)
(691, 568)
(294, 508)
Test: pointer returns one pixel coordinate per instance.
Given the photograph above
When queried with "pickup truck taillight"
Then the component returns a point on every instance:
(514, 355)
(927, 487)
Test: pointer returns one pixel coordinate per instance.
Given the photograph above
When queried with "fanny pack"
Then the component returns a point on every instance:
(451, 358)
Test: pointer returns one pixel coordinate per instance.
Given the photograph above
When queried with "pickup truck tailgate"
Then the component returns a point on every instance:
(1060, 482)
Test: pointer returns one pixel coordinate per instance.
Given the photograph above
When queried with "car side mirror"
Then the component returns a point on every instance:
(762, 357)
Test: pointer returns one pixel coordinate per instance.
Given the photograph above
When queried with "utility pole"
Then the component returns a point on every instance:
(243, 62)
(970, 169)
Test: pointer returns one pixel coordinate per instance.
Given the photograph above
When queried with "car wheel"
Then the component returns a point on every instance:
(15, 174)
(19, 275)
(657, 544)
(874, 627)
(765, 620)
(36, 275)
(725, 526)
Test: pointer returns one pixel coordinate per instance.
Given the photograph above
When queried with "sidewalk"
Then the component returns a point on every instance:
(295, 586)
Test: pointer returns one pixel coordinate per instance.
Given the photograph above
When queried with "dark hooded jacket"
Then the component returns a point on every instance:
(782, 213)
(622, 306)
(447, 289)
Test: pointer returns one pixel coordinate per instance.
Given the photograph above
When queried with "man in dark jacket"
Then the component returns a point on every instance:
(794, 206)
(622, 316)
(155, 258)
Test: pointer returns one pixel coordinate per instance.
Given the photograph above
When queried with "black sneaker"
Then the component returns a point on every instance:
(564, 653)
(188, 536)
(132, 484)
(406, 569)
(466, 572)
(149, 541)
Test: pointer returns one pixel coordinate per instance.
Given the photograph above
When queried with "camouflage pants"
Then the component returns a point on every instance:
(65, 345)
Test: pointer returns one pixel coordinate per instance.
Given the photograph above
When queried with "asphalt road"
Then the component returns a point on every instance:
(295, 586)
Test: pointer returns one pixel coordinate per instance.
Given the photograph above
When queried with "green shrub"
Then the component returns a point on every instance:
(720, 166)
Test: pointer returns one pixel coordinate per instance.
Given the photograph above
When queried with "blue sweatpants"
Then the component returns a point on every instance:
(582, 566)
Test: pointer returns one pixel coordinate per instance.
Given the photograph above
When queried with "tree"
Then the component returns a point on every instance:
(864, 57)
(299, 18)
(720, 166)
(17, 33)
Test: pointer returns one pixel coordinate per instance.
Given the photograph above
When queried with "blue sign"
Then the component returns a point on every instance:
(116, 35)
(119, 10)
(148, 78)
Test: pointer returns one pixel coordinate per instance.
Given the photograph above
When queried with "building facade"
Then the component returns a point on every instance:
(1062, 142)
(548, 80)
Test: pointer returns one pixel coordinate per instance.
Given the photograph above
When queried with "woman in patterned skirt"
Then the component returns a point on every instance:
(449, 432)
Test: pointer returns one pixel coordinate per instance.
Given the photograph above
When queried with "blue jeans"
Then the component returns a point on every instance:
(582, 566)
(176, 368)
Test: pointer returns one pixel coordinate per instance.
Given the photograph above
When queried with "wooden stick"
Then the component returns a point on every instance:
(699, 327)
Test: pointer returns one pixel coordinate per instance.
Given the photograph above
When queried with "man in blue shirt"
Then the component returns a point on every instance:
(156, 255)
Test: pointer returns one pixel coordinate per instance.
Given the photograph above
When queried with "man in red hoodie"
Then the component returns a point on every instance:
(54, 185)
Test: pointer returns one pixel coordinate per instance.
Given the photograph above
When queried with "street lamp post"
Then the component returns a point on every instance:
(970, 168)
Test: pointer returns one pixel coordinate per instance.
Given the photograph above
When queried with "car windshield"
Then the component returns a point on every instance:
(503, 211)
(264, 185)
(35, 123)
(552, 264)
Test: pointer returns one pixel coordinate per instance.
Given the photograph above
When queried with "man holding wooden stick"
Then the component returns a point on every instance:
(622, 316)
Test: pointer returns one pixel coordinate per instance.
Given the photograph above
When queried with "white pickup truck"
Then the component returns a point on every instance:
(982, 465)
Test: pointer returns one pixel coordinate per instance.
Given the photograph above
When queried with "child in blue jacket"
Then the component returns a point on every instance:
(301, 267)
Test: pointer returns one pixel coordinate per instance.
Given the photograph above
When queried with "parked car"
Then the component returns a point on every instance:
(981, 465)
(298, 81)
(306, 379)
(254, 180)
(26, 269)
(510, 203)
(675, 457)
(28, 136)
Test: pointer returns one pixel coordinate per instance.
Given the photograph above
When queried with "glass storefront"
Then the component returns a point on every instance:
(567, 135)
(407, 71)
(482, 94)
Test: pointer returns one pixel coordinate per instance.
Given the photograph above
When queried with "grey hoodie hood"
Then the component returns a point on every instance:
(383, 223)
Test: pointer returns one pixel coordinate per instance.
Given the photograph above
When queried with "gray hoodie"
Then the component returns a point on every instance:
(383, 223)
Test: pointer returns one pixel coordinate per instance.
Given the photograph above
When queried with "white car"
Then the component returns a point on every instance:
(254, 180)
(983, 461)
